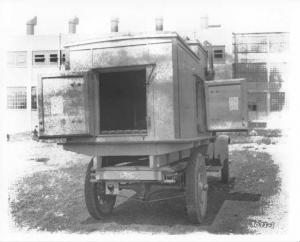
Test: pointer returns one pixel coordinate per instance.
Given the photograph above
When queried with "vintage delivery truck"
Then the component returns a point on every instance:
(140, 106)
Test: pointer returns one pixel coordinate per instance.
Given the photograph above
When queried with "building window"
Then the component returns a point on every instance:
(219, 54)
(33, 98)
(257, 101)
(252, 107)
(47, 57)
(16, 98)
(277, 101)
(53, 58)
(63, 58)
(17, 58)
(21, 59)
(39, 58)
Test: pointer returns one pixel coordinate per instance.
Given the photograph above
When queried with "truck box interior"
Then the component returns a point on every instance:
(123, 102)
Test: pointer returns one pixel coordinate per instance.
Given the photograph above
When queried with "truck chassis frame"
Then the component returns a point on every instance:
(177, 164)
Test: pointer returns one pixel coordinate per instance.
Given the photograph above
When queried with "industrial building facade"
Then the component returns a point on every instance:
(261, 58)
(28, 57)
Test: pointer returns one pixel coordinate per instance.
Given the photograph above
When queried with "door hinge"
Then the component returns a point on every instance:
(151, 75)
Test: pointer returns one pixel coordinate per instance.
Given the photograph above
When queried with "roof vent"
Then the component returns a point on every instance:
(72, 25)
(30, 26)
(159, 24)
(114, 25)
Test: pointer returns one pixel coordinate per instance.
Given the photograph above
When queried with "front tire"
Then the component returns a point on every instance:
(196, 188)
(98, 204)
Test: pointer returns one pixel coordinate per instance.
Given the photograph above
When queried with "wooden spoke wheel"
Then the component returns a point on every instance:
(196, 188)
(97, 202)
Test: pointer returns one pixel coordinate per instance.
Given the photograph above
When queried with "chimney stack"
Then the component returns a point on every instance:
(114, 25)
(159, 24)
(72, 25)
(204, 22)
(30, 26)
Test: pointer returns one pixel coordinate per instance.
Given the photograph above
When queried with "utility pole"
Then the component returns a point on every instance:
(59, 51)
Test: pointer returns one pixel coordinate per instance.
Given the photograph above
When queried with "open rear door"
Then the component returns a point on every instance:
(64, 105)
(226, 105)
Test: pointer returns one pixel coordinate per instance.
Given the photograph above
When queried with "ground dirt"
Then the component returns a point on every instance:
(46, 194)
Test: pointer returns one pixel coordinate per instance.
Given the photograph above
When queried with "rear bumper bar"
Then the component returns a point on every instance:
(135, 173)
(128, 175)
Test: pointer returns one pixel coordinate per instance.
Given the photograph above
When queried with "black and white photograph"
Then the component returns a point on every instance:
(149, 120)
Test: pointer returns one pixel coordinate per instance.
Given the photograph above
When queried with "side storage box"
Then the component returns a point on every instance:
(65, 105)
(226, 105)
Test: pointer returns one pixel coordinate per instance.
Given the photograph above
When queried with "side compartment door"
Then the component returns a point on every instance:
(65, 105)
(200, 106)
(226, 105)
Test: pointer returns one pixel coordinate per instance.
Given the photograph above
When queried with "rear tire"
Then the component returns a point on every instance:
(97, 202)
(196, 188)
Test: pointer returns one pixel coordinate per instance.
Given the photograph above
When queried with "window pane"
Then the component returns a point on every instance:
(45, 57)
(257, 101)
(218, 53)
(252, 107)
(33, 98)
(63, 58)
(53, 58)
(17, 58)
(21, 59)
(38, 58)
(277, 101)
(16, 98)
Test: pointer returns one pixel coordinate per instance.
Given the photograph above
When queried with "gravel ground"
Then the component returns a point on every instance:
(46, 194)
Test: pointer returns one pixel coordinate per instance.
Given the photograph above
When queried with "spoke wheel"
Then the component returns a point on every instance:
(196, 189)
(97, 202)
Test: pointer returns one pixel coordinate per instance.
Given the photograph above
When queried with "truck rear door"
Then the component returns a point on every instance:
(226, 105)
(64, 105)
